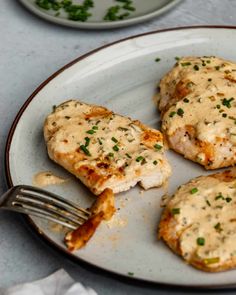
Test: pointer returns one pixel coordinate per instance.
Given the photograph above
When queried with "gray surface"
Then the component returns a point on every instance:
(30, 50)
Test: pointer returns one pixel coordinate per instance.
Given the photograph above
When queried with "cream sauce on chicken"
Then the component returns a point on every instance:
(210, 105)
(205, 211)
(114, 138)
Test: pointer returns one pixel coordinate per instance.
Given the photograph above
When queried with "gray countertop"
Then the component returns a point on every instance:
(31, 49)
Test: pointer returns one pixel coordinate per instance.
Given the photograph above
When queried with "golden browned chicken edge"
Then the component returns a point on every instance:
(102, 209)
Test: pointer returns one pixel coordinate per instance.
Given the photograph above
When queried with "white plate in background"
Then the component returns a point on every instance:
(145, 10)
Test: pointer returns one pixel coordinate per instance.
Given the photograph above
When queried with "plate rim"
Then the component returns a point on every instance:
(33, 226)
(99, 25)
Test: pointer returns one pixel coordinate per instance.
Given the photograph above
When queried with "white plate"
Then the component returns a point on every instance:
(145, 10)
(122, 76)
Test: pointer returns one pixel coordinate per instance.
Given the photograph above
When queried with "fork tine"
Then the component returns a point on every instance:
(58, 205)
(45, 194)
(34, 201)
(47, 209)
(42, 214)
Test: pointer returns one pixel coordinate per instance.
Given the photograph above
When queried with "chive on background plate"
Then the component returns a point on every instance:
(145, 10)
(122, 76)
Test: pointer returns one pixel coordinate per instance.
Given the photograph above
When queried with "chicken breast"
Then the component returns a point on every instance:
(198, 107)
(104, 149)
(102, 209)
(199, 222)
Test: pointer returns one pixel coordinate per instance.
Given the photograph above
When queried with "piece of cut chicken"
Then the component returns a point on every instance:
(104, 149)
(198, 107)
(102, 209)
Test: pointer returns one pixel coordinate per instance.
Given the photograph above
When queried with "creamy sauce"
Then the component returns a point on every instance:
(46, 178)
(117, 221)
(109, 138)
(206, 209)
(210, 106)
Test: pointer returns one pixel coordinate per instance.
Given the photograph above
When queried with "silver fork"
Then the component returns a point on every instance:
(34, 201)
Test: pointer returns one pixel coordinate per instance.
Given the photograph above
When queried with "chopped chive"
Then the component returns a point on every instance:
(180, 112)
(200, 241)
(218, 106)
(67, 117)
(171, 115)
(217, 68)
(130, 273)
(115, 148)
(87, 141)
(209, 80)
(155, 162)
(85, 150)
(158, 147)
(114, 139)
(91, 131)
(219, 197)
(208, 203)
(177, 58)
(184, 64)
(123, 129)
(110, 155)
(196, 68)
(186, 100)
(95, 127)
(228, 199)
(211, 260)
(175, 211)
(227, 102)
(157, 59)
(127, 155)
(194, 190)
(139, 159)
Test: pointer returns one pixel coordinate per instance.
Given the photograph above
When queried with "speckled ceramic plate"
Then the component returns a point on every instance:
(122, 76)
(145, 10)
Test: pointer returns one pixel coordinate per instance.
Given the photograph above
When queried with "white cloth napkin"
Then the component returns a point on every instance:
(59, 283)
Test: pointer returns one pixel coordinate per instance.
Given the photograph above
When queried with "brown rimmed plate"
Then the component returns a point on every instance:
(122, 76)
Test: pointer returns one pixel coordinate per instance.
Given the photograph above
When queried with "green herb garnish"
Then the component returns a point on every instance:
(185, 64)
(87, 141)
(171, 115)
(227, 102)
(194, 190)
(200, 241)
(130, 273)
(139, 159)
(175, 211)
(114, 139)
(75, 12)
(211, 260)
(91, 131)
(157, 59)
(180, 112)
(115, 148)
(85, 150)
(158, 147)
